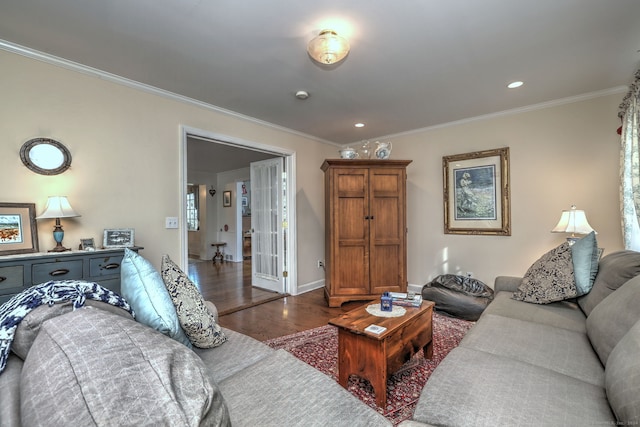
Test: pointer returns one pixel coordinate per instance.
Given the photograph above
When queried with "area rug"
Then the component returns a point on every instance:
(319, 348)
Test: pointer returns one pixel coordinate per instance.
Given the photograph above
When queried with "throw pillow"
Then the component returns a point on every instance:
(585, 257)
(90, 367)
(549, 279)
(198, 323)
(144, 290)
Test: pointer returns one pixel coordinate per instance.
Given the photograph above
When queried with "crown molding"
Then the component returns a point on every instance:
(114, 78)
(504, 113)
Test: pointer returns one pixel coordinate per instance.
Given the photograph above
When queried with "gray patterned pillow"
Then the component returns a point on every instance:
(549, 279)
(197, 321)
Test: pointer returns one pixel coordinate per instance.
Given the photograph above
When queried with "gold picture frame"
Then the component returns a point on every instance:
(477, 193)
(18, 229)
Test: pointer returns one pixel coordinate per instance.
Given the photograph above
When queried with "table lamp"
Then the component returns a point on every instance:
(573, 221)
(58, 207)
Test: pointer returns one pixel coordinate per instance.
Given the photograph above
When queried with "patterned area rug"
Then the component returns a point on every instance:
(319, 348)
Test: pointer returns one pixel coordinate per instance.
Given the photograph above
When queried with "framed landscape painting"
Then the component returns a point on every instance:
(476, 193)
(18, 230)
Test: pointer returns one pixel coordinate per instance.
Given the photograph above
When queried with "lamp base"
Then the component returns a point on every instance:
(58, 235)
(572, 240)
(59, 248)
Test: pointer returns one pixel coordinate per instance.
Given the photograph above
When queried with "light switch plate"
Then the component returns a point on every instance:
(171, 222)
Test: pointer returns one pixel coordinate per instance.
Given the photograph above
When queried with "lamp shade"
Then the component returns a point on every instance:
(58, 207)
(328, 47)
(573, 221)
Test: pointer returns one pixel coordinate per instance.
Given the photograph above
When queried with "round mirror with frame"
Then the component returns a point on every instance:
(45, 156)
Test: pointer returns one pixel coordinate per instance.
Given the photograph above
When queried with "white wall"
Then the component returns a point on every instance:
(125, 145)
(563, 155)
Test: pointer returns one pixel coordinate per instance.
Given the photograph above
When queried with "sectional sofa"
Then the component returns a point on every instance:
(568, 363)
(98, 366)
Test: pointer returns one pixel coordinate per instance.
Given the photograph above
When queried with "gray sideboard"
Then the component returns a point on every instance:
(19, 272)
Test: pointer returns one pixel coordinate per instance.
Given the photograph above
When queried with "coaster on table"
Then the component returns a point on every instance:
(396, 311)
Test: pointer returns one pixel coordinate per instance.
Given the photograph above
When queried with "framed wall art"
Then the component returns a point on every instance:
(476, 193)
(226, 199)
(18, 230)
(118, 238)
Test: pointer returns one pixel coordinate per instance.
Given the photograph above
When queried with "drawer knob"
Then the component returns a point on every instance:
(2, 279)
(59, 272)
(111, 266)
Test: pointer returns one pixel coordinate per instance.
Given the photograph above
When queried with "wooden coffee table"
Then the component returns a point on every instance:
(376, 357)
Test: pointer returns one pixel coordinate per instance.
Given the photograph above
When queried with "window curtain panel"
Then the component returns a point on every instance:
(629, 113)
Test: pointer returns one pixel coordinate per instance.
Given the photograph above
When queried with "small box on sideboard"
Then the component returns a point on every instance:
(19, 272)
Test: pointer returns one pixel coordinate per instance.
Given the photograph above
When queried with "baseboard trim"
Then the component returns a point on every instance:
(308, 287)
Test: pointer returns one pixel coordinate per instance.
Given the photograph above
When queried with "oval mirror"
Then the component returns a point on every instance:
(45, 156)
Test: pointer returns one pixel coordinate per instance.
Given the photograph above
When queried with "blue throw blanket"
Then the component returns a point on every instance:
(13, 311)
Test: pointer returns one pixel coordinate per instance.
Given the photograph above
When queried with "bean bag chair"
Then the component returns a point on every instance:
(458, 296)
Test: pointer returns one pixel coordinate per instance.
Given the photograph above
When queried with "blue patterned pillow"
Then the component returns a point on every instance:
(144, 290)
(549, 279)
(585, 256)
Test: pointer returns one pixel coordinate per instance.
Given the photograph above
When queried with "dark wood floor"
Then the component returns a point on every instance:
(229, 287)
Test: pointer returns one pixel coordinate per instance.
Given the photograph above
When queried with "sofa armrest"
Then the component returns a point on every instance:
(506, 284)
(213, 309)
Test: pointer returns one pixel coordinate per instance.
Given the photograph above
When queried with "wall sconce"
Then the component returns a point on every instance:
(573, 221)
(212, 191)
(328, 47)
(58, 207)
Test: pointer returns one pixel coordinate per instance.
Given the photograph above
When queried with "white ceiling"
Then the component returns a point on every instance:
(413, 63)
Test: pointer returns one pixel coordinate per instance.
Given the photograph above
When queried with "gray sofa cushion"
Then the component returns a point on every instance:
(623, 378)
(10, 392)
(236, 354)
(30, 326)
(474, 388)
(89, 367)
(562, 314)
(614, 270)
(560, 350)
(613, 317)
(281, 390)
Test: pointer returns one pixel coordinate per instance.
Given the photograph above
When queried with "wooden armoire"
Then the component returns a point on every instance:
(365, 229)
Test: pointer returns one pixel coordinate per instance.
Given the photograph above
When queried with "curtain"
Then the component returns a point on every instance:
(629, 112)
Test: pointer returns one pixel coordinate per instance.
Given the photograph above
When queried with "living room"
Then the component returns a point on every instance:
(127, 166)
(128, 137)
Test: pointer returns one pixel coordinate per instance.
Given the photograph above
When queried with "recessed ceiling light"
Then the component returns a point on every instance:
(515, 84)
(359, 125)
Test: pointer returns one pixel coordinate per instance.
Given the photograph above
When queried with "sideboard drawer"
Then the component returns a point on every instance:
(11, 276)
(63, 270)
(105, 266)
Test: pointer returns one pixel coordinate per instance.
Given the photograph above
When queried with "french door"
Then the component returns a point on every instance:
(268, 225)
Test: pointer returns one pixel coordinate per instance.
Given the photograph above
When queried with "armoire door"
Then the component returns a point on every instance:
(351, 231)
(387, 230)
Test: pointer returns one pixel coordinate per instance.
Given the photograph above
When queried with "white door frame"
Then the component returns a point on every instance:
(290, 167)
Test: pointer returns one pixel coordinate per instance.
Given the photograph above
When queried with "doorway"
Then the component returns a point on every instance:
(249, 151)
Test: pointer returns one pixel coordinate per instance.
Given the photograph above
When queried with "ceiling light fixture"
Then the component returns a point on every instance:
(328, 47)
(515, 84)
(359, 125)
